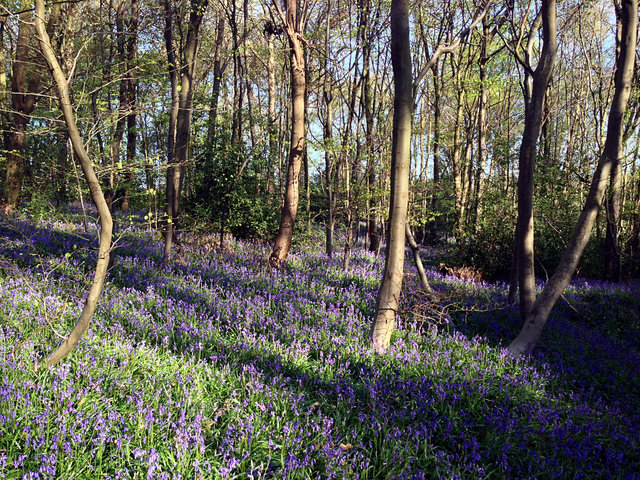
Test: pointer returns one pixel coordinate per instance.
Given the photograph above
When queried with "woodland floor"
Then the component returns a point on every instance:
(217, 367)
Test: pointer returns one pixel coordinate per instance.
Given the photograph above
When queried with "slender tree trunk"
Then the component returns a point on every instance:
(5, 98)
(131, 49)
(482, 122)
(389, 292)
(415, 249)
(218, 70)
(613, 270)
(271, 127)
(292, 27)
(435, 201)
(327, 96)
(539, 312)
(24, 95)
(118, 133)
(533, 122)
(456, 155)
(175, 173)
(367, 104)
(173, 170)
(106, 223)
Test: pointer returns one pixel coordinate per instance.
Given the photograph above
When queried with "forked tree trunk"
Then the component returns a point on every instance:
(389, 292)
(532, 125)
(106, 223)
(292, 27)
(539, 313)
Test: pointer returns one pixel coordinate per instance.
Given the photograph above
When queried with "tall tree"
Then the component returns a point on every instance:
(131, 49)
(389, 292)
(181, 106)
(292, 21)
(535, 90)
(106, 223)
(25, 86)
(538, 314)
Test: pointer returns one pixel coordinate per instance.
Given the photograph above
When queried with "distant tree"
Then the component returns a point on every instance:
(106, 223)
(26, 77)
(538, 313)
(180, 113)
(292, 20)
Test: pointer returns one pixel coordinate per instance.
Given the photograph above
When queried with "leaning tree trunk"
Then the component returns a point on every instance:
(389, 292)
(539, 313)
(94, 186)
(532, 125)
(415, 249)
(292, 27)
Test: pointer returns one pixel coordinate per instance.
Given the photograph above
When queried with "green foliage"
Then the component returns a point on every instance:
(224, 194)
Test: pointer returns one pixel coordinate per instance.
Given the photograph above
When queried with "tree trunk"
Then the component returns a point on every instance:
(487, 36)
(435, 201)
(272, 129)
(5, 106)
(415, 249)
(175, 173)
(106, 223)
(131, 49)
(539, 312)
(327, 95)
(218, 70)
(612, 265)
(24, 95)
(367, 104)
(389, 292)
(173, 170)
(292, 27)
(533, 122)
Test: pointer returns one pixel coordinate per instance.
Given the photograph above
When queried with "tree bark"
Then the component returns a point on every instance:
(487, 37)
(173, 170)
(292, 27)
(539, 312)
(25, 83)
(218, 70)
(533, 122)
(327, 96)
(415, 249)
(182, 112)
(106, 223)
(389, 292)
(131, 52)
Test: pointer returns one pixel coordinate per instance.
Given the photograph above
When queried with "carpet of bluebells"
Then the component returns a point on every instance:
(216, 367)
